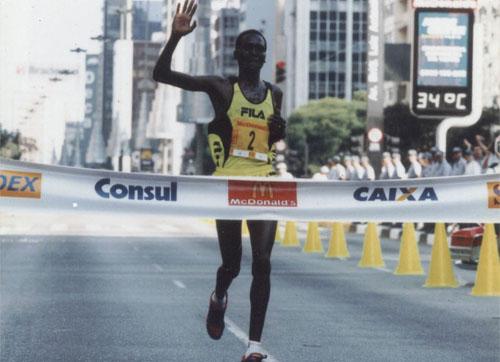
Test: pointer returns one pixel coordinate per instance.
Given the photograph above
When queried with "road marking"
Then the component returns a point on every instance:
(234, 329)
(157, 267)
(385, 270)
(93, 227)
(167, 228)
(136, 248)
(179, 284)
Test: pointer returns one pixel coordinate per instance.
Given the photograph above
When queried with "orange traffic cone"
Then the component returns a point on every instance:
(409, 258)
(488, 269)
(337, 247)
(372, 252)
(440, 270)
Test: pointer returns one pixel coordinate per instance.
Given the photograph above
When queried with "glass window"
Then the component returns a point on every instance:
(322, 26)
(312, 56)
(342, 15)
(322, 36)
(314, 15)
(341, 77)
(322, 76)
(333, 15)
(313, 36)
(322, 15)
(312, 76)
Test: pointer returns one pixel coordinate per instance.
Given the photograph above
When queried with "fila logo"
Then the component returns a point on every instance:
(250, 112)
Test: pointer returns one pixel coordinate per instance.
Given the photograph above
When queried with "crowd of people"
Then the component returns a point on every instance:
(471, 159)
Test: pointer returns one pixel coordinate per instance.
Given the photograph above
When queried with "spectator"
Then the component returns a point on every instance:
(282, 171)
(415, 169)
(349, 169)
(432, 161)
(359, 171)
(425, 161)
(491, 161)
(442, 168)
(472, 167)
(322, 175)
(387, 167)
(369, 171)
(399, 169)
(337, 171)
(457, 162)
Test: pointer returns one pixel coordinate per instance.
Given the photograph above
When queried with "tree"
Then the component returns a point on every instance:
(322, 128)
(10, 144)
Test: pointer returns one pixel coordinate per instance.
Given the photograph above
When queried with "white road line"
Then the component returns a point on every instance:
(234, 329)
(179, 284)
(157, 267)
(385, 270)
(167, 228)
(93, 227)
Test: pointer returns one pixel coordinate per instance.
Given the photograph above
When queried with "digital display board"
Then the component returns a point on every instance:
(442, 64)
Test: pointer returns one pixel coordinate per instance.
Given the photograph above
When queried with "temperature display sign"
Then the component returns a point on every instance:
(442, 63)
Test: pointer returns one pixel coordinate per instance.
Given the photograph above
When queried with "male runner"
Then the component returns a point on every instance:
(241, 138)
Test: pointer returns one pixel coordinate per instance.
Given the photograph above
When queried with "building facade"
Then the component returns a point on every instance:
(326, 49)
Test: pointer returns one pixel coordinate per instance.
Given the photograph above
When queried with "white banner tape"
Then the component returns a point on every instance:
(45, 188)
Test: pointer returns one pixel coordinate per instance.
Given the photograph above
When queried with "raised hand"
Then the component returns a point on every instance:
(182, 20)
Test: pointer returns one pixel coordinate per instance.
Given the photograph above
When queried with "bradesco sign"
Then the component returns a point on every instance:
(20, 184)
(262, 193)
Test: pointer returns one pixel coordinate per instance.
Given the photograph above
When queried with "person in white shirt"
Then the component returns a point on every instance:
(349, 169)
(387, 167)
(457, 162)
(322, 175)
(415, 168)
(369, 171)
(282, 171)
(472, 167)
(399, 169)
(359, 171)
(337, 171)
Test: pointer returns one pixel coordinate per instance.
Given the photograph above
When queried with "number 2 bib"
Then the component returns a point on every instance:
(250, 134)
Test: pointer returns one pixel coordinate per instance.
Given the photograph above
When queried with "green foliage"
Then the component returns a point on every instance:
(10, 144)
(324, 127)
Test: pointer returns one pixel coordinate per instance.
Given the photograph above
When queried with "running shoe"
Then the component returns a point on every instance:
(215, 317)
(254, 357)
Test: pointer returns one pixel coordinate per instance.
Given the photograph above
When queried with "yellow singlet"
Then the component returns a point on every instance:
(249, 153)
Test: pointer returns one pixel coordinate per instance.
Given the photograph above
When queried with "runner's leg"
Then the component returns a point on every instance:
(262, 234)
(229, 232)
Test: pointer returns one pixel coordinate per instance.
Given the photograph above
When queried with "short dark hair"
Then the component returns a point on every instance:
(246, 32)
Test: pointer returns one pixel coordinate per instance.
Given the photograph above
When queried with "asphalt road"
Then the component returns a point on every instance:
(115, 298)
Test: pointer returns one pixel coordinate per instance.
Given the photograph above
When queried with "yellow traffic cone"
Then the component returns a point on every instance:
(337, 247)
(440, 270)
(409, 257)
(277, 237)
(290, 238)
(244, 228)
(488, 269)
(313, 241)
(372, 252)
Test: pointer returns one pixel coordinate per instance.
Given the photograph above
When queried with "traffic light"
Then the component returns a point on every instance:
(391, 143)
(357, 145)
(280, 71)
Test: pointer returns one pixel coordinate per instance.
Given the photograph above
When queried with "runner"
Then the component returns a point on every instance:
(241, 138)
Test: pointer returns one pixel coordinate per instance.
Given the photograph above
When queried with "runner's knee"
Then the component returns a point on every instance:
(231, 270)
(261, 267)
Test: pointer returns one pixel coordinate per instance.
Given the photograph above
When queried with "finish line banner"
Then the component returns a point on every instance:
(36, 187)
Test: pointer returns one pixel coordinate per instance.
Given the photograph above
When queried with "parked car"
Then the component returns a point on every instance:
(466, 242)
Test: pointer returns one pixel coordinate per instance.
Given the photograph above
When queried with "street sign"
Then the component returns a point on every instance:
(375, 135)
(442, 62)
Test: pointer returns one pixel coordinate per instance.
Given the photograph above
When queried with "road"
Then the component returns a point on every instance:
(95, 290)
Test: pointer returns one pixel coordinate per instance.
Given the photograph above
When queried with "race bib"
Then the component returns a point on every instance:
(250, 139)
